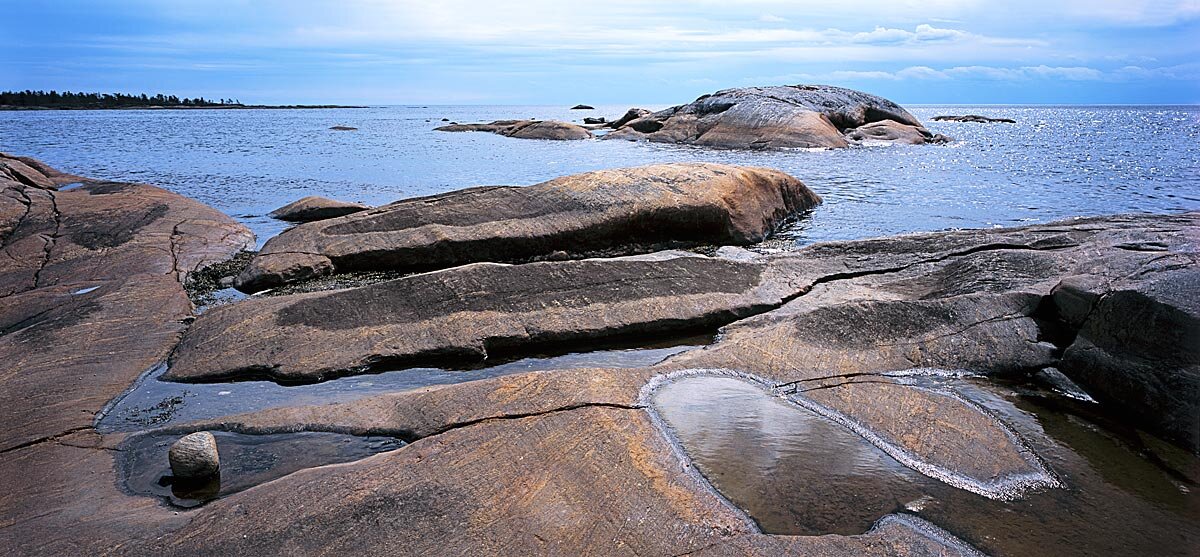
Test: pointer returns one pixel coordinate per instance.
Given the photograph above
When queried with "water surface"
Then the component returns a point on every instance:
(1055, 162)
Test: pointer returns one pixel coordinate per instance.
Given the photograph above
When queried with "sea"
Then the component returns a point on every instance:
(1055, 162)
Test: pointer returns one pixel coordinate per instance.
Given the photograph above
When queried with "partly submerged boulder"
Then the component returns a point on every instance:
(313, 208)
(891, 131)
(770, 117)
(974, 118)
(525, 129)
(626, 210)
(630, 115)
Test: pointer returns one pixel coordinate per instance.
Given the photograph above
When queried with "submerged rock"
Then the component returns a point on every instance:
(314, 208)
(194, 456)
(626, 210)
(771, 117)
(974, 118)
(582, 107)
(525, 129)
(343, 128)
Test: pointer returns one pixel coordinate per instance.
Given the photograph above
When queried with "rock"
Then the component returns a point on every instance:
(525, 129)
(343, 128)
(624, 211)
(1138, 346)
(768, 117)
(513, 463)
(593, 120)
(94, 278)
(32, 172)
(894, 132)
(630, 115)
(314, 208)
(445, 119)
(973, 118)
(463, 315)
(194, 456)
(582, 107)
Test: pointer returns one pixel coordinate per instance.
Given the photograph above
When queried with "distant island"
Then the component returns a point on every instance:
(53, 100)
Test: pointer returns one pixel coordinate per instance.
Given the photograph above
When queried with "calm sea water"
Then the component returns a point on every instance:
(1056, 162)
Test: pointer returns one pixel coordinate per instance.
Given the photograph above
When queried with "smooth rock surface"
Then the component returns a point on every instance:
(629, 116)
(774, 117)
(462, 315)
(194, 456)
(525, 129)
(628, 210)
(314, 208)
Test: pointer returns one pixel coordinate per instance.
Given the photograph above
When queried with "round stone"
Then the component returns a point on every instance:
(195, 456)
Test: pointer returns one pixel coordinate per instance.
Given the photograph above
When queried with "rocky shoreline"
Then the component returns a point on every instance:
(563, 461)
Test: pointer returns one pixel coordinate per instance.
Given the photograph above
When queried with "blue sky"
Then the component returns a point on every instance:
(606, 52)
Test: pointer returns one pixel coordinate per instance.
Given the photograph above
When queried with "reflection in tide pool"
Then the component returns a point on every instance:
(796, 473)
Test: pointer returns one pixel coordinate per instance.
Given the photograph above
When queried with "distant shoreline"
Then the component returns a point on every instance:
(208, 107)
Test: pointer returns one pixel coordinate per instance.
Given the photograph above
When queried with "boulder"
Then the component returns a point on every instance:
(629, 116)
(626, 210)
(894, 132)
(314, 208)
(590, 120)
(194, 456)
(525, 129)
(975, 118)
(582, 107)
(770, 117)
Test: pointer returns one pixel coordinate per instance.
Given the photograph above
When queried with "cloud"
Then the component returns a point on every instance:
(1189, 71)
(771, 18)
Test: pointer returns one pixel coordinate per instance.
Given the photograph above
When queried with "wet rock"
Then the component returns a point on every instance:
(629, 116)
(894, 132)
(975, 118)
(624, 211)
(194, 456)
(773, 117)
(343, 128)
(582, 107)
(314, 208)
(525, 129)
(590, 120)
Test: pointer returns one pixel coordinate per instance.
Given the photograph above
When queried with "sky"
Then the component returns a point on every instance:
(607, 51)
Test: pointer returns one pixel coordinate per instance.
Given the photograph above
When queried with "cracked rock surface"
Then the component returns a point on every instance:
(565, 461)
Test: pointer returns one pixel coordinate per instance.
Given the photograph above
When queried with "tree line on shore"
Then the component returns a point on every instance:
(67, 99)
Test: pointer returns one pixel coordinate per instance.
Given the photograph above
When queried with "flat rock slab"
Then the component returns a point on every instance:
(590, 479)
(468, 312)
(314, 208)
(525, 129)
(807, 116)
(626, 210)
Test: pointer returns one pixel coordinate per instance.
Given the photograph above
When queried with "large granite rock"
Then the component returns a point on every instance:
(623, 211)
(1138, 345)
(524, 129)
(92, 295)
(773, 117)
(464, 314)
(314, 208)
